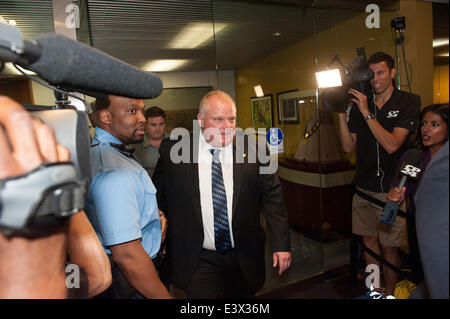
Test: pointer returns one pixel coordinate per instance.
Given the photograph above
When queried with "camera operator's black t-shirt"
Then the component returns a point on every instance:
(401, 110)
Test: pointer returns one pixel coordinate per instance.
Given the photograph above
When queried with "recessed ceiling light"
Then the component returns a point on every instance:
(194, 34)
(277, 34)
(164, 65)
(258, 90)
(440, 42)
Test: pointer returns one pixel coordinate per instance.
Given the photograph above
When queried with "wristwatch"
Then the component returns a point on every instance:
(370, 116)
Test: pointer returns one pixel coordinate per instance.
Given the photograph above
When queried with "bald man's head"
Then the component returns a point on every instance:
(217, 117)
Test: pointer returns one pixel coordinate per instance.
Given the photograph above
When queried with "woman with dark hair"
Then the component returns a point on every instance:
(434, 128)
(432, 136)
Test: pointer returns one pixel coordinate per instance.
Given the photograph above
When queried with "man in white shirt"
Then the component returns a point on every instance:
(213, 203)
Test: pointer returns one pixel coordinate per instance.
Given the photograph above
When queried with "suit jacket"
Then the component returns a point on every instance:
(179, 198)
(432, 221)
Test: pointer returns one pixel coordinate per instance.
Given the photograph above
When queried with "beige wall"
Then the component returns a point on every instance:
(419, 47)
(42, 95)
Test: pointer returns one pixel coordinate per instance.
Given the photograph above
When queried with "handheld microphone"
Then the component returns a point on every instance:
(77, 67)
(408, 170)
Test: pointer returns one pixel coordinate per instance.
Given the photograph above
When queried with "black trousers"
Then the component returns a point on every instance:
(218, 276)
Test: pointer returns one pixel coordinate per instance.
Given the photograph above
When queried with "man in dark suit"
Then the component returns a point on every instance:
(213, 201)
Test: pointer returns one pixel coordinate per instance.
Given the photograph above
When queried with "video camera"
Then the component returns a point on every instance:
(356, 75)
(45, 197)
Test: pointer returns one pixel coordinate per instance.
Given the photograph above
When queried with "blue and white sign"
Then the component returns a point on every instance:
(275, 141)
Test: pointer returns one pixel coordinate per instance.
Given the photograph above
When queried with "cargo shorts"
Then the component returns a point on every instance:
(366, 221)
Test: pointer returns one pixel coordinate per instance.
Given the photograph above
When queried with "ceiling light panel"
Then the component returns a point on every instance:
(164, 65)
(195, 34)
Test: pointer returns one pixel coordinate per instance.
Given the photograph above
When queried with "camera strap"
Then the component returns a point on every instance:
(123, 148)
(46, 197)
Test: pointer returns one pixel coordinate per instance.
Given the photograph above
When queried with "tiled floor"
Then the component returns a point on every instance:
(332, 284)
(311, 274)
(321, 271)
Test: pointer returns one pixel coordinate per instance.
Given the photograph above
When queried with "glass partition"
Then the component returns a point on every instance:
(274, 50)
(270, 46)
(351, 29)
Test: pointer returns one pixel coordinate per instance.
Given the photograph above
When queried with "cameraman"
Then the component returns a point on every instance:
(34, 267)
(379, 129)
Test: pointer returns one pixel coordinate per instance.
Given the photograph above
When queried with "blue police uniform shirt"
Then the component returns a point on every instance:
(121, 203)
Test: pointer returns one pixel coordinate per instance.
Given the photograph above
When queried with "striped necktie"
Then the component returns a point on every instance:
(219, 197)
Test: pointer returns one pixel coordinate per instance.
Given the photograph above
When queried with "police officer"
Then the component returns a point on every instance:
(121, 204)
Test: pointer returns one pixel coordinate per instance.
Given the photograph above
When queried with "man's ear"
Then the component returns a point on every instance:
(393, 72)
(105, 117)
(200, 119)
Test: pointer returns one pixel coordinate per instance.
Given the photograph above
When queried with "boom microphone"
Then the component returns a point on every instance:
(408, 170)
(74, 65)
(77, 67)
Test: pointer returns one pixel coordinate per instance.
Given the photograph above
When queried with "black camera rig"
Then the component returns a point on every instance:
(355, 75)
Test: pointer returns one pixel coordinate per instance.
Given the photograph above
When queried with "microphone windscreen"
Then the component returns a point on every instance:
(72, 64)
(413, 156)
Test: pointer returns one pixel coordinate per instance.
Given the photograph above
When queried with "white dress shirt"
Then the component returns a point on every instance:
(204, 174)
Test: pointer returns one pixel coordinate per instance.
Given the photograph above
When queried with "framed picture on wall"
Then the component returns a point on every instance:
(288, 110)
(262, 112)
